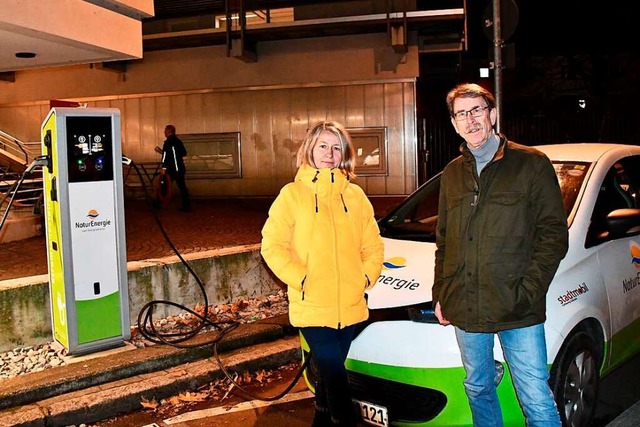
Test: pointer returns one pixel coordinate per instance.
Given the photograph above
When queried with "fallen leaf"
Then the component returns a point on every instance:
(193, 397)
(228, 391)
(149, 404)
(134, 331)
(173, 400)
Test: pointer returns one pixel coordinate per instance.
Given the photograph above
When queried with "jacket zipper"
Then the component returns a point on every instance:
(476, 196)
(331, 213)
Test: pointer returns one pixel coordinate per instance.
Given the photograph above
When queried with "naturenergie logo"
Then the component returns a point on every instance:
(92, 224)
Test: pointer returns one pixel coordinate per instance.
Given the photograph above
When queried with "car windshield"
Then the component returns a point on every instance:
(415, 218)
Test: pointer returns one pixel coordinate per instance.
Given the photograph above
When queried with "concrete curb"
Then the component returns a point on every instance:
(102, 385)
(228, 274)
(103, 401)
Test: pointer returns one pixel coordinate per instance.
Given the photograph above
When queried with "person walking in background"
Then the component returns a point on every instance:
(173, 152)
(501, 234)
(322, 240)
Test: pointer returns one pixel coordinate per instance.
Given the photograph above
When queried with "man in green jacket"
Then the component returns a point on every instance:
(502, 231)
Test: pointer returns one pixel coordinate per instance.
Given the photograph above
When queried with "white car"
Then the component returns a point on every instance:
(405, 369)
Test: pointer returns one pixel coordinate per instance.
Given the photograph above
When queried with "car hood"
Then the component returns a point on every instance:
(407, 274)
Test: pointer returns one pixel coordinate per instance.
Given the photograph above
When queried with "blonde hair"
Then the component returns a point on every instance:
(305, 152)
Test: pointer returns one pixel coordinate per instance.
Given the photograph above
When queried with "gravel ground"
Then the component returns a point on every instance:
(23, 360)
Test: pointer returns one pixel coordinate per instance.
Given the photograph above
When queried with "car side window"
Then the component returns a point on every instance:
(417, 217)
(620, 189)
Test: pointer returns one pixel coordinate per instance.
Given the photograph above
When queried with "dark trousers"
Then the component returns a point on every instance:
(329, 348)
(178, 178)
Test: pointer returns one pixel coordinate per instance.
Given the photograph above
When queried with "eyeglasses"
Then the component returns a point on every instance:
(475, 112)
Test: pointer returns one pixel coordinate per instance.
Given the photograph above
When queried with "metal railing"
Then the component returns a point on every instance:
(14, 147)
(15, 156)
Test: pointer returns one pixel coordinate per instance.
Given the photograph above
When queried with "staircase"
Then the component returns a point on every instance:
(20, 202)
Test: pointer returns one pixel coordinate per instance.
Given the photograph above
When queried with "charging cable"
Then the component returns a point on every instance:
(145, 316)
(177, 339)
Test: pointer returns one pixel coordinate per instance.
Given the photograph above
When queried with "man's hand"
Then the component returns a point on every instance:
(441, 319)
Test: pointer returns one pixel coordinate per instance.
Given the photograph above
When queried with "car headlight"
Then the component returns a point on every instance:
(417, 313)
(422, 313)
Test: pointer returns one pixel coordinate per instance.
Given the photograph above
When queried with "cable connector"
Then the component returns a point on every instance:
(41, 161)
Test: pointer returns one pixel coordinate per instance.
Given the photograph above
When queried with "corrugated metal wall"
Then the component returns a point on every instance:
(272, 123)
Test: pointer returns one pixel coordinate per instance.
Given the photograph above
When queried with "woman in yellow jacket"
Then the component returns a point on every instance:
(322, 240)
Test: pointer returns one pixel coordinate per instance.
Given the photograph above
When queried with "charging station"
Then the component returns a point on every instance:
(85, 230)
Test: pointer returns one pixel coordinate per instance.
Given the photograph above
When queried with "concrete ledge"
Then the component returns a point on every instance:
(103, 401)
(106, 367)
(228, 274)
(21, 227)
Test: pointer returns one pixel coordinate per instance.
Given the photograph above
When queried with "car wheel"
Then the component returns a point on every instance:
(574, 380)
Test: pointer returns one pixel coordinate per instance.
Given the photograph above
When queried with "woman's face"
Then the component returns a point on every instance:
(326, 152)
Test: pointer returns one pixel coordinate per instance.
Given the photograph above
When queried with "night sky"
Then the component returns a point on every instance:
(547, 27)
(575, 69)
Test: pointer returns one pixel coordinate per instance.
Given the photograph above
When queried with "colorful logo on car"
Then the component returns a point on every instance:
(93, 214)
(635, 255)
(394, 263)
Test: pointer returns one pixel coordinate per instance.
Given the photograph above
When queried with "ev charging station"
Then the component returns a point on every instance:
(85, 230)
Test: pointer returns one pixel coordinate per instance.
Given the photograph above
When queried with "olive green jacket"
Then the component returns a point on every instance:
(500, 238)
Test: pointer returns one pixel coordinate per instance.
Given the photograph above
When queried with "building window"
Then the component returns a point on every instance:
(212, 155)
(370, 144)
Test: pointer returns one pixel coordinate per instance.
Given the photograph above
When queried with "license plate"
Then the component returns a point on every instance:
(373, 414)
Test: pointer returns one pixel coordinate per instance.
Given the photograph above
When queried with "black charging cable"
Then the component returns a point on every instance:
(146, 322)
(148, 330)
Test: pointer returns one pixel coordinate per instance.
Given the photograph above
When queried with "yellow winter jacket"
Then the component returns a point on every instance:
(322, 240)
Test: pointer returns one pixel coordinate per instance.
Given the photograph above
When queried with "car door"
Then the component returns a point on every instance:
(619, 254)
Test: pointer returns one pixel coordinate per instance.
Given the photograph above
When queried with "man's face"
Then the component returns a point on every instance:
(167, 132)
(474, 130)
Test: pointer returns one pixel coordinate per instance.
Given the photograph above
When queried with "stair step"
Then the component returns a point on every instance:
(22, 188)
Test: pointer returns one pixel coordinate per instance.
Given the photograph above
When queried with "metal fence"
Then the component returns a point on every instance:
(439, 141)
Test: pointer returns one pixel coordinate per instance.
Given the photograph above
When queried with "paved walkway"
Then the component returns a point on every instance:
(212, 224)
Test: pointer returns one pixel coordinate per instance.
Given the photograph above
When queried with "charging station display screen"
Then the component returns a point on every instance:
(89, 148)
